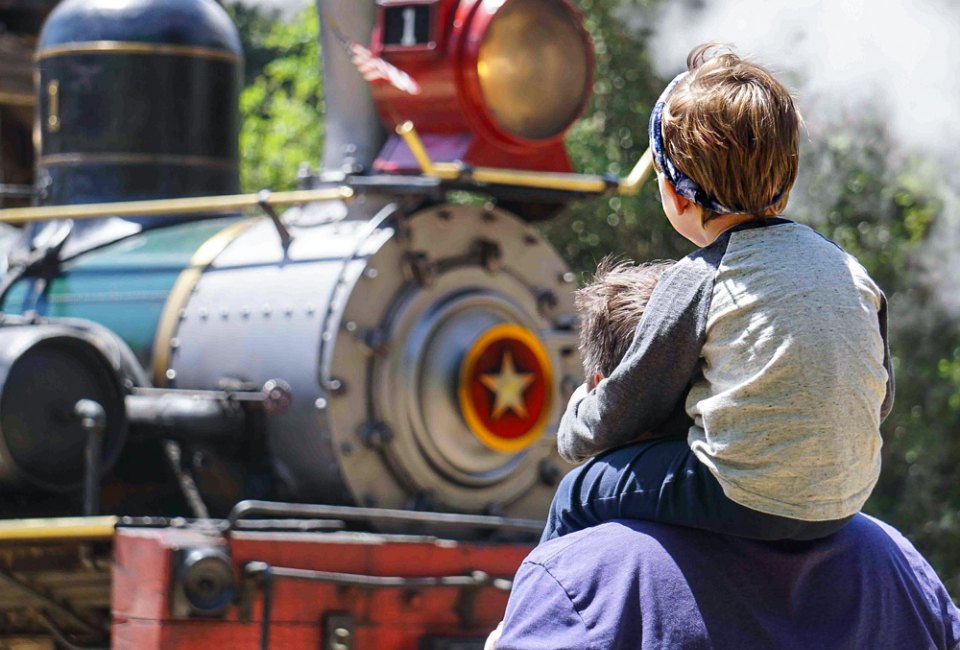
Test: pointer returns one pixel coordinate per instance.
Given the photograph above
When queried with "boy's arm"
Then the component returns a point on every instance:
(887, 404)
(657, 369)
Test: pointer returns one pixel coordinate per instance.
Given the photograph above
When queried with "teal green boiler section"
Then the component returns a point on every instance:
(123, 285)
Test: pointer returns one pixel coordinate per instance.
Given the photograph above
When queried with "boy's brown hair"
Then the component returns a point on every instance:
(734, 129)
(610, 309)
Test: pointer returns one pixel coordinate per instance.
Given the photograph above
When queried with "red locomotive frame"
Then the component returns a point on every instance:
(330, 590)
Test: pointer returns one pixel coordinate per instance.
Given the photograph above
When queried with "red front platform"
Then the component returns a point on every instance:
(303, 611)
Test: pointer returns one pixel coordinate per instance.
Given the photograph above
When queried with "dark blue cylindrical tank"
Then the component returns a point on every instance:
(137, 99)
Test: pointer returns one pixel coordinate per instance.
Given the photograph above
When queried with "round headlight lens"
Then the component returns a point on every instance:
(533, 67)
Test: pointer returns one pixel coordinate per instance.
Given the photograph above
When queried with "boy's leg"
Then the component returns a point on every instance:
(662, 480)
(595, 491)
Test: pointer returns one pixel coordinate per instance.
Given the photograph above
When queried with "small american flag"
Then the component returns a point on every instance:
(372, 67)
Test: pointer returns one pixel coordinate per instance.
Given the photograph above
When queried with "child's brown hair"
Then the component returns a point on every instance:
(610, 309)
(734, 129)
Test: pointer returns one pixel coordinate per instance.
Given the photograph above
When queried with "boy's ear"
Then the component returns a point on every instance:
(669, 193)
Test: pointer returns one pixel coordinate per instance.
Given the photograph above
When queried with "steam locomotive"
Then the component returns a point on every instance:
(170, 347)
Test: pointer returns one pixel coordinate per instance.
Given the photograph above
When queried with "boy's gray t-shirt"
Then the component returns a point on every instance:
(777, 337)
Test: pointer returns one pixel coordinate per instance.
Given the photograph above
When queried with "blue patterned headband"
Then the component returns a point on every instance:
(683, 184)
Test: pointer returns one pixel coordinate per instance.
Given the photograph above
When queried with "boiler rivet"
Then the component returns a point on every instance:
(171, 374)
(320, 403)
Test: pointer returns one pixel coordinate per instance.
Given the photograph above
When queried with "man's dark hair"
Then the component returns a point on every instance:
(610, 308)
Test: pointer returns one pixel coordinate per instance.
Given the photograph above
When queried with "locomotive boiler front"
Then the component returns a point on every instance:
(429, 354)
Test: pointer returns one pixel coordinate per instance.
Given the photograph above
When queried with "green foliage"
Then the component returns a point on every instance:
(254, 27)
(282, 109)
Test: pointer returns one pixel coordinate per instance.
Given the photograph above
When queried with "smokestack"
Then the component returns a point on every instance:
(354, 133)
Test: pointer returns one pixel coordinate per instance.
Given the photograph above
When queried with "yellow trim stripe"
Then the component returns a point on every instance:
(17, 99)
(134, 159)
(180, 294)
(64, 528)
(129, 47)
(170, 207)
(468, 408)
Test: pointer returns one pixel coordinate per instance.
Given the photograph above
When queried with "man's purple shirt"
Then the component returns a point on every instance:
(640, 585)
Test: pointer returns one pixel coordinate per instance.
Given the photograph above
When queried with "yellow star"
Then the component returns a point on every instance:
(508, 387)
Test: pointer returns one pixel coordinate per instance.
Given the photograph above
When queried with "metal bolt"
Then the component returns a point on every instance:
(565, 322)
(375, 435)
(546, 301)
(335, 385)
(569, 277)
(224, 314)
(371, 273)
(327, 337)
(320, 403)
(374, 339)
(171, 374)
(204, 314)
(350, 326)
(174, 343)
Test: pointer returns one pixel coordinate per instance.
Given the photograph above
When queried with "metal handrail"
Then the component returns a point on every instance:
(349, 513)
(174, 207)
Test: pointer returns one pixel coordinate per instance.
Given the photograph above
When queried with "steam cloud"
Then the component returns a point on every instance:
(845, 55)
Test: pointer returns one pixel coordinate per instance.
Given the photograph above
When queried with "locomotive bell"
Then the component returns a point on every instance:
(137, 99)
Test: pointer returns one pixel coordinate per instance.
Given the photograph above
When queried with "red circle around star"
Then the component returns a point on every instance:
(506, 383)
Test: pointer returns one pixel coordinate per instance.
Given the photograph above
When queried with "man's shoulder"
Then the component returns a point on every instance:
(615, 547)
(678, 587)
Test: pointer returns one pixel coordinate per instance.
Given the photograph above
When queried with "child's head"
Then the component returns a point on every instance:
(610, 309)
(725, 136)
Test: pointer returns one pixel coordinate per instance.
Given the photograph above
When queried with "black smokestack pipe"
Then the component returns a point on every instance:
(354, 133)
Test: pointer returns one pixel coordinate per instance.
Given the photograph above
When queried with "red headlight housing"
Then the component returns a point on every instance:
(501, 80)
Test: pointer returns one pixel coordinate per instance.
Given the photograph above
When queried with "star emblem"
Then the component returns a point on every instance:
(508, 387)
